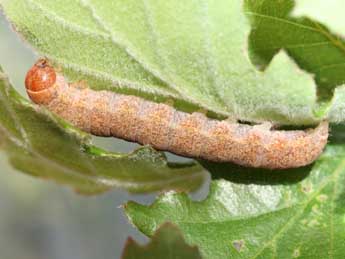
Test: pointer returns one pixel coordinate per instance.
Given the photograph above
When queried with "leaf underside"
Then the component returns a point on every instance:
(42, 145)
(194, 53)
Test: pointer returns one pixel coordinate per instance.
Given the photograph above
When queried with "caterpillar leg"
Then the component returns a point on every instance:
(267, 126)
(231, 120)
(170, 102)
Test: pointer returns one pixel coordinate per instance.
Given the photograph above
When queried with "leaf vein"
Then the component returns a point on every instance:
(300, 212)
(117, 39)
(286, 21)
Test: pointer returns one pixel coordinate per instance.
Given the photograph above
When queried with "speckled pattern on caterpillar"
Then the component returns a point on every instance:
(105, 113)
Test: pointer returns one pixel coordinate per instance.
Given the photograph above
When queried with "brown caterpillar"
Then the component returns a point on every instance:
(132, 118)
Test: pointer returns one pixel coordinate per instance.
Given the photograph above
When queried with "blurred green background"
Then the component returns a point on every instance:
(39, 219)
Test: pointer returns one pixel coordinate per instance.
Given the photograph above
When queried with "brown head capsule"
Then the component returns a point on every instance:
(40, 78)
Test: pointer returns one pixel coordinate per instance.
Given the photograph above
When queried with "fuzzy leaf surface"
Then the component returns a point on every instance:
(195, 53)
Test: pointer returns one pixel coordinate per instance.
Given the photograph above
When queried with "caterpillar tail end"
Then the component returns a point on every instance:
(304, 150)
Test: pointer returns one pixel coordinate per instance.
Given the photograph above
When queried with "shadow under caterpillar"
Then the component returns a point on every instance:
(105, 113)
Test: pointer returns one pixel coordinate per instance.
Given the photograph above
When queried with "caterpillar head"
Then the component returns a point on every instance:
(39, 79)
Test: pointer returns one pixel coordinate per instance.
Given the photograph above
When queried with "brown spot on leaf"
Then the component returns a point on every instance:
(238, 245)
(307, 188)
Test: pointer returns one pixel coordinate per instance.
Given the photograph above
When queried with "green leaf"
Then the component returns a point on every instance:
(194, 52)
(260, 213)
(310, 43)
(166, 243)
(42, 145)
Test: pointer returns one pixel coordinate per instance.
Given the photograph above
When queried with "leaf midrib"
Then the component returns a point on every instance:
(333, 177)
(166, 78)
(132, 54)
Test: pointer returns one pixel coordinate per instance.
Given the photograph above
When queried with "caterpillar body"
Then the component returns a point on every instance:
(105, 113)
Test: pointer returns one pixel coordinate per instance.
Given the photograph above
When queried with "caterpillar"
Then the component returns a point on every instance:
(132, 118)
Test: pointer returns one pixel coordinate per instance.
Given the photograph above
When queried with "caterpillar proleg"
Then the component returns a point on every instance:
(105, 113)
